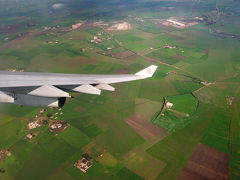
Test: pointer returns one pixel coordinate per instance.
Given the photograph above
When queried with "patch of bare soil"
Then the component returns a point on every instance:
(165, 27)
(179, 57)
(121, 26)
(122, 71)
(124, 54)
(206, 163)
(130, 58)
(19, 40)
(144, 128)
(205, 51)
(79, 109)
(150, 60)
(176, 37)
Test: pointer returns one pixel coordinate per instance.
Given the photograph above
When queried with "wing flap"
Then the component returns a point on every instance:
(105, 87)
(4, 97)
(49, 91)
(88, 89)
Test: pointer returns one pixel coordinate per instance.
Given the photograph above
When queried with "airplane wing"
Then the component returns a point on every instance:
(48, 89)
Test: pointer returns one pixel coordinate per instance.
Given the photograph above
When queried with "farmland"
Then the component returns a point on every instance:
(129, 133)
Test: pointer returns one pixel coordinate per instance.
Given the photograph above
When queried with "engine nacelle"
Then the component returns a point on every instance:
(29, 100)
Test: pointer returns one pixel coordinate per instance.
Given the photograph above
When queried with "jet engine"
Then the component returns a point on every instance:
(29, 100)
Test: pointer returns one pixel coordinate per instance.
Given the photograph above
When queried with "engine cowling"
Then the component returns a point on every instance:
(29, 100)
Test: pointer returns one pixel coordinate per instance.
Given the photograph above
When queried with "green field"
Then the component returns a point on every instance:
(199, 77)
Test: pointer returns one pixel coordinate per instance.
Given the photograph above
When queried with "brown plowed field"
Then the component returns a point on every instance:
(144, 128)
(179, 57)
(206, 163)
(150, 60)
(122, 71)
(124, 54)
(130, 58)
(205, 51)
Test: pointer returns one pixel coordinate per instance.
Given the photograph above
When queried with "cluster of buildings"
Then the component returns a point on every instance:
(15, 70)
(120, 26)
(3, 153)
(98, 39)
(167, 46)
(45, 119)
(76, 26)
(179, 24)
(229, 100)
(169, 105)
(50, 28)
(30, 136)
(53, 42)
(33, 125)
(58, 126)
(85, 163)
(100, 23)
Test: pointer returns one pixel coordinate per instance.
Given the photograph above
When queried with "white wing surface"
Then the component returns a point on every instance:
(52, 86)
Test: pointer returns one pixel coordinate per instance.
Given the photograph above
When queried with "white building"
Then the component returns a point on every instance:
(169, 105)
(176, 23)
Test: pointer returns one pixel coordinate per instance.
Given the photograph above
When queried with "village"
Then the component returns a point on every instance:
(84, 163)
(55, 126)
(3, 154)
(50, 119)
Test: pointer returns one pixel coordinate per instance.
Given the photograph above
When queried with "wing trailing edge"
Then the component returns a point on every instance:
(106, 87)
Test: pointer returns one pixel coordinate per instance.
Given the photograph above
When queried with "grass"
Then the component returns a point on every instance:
(164, 55)
(216, 134)
(60, 174)
(10, 133)
(234, 140)
(99, 120)
(151, 28)
(74, 137)
(142, 162)
(109, 161)
(157, 89)
(190, 55)
(186, 87)
(177, 148)
(39, 170)
(185, 103)
(172, 121)
(116, 142)
(118, 50)
(91, 130)
(20, 151)
(125, 173)
(126, 38)
(58, 149)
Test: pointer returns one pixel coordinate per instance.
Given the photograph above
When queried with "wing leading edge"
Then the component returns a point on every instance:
(53, 85)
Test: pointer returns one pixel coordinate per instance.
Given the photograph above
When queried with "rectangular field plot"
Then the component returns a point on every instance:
(143, 164)
(120, 53)
(206, 163)
(177, 54)
(144, 128)
(151, 27)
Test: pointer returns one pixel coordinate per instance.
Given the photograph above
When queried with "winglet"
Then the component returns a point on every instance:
(147, 72)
